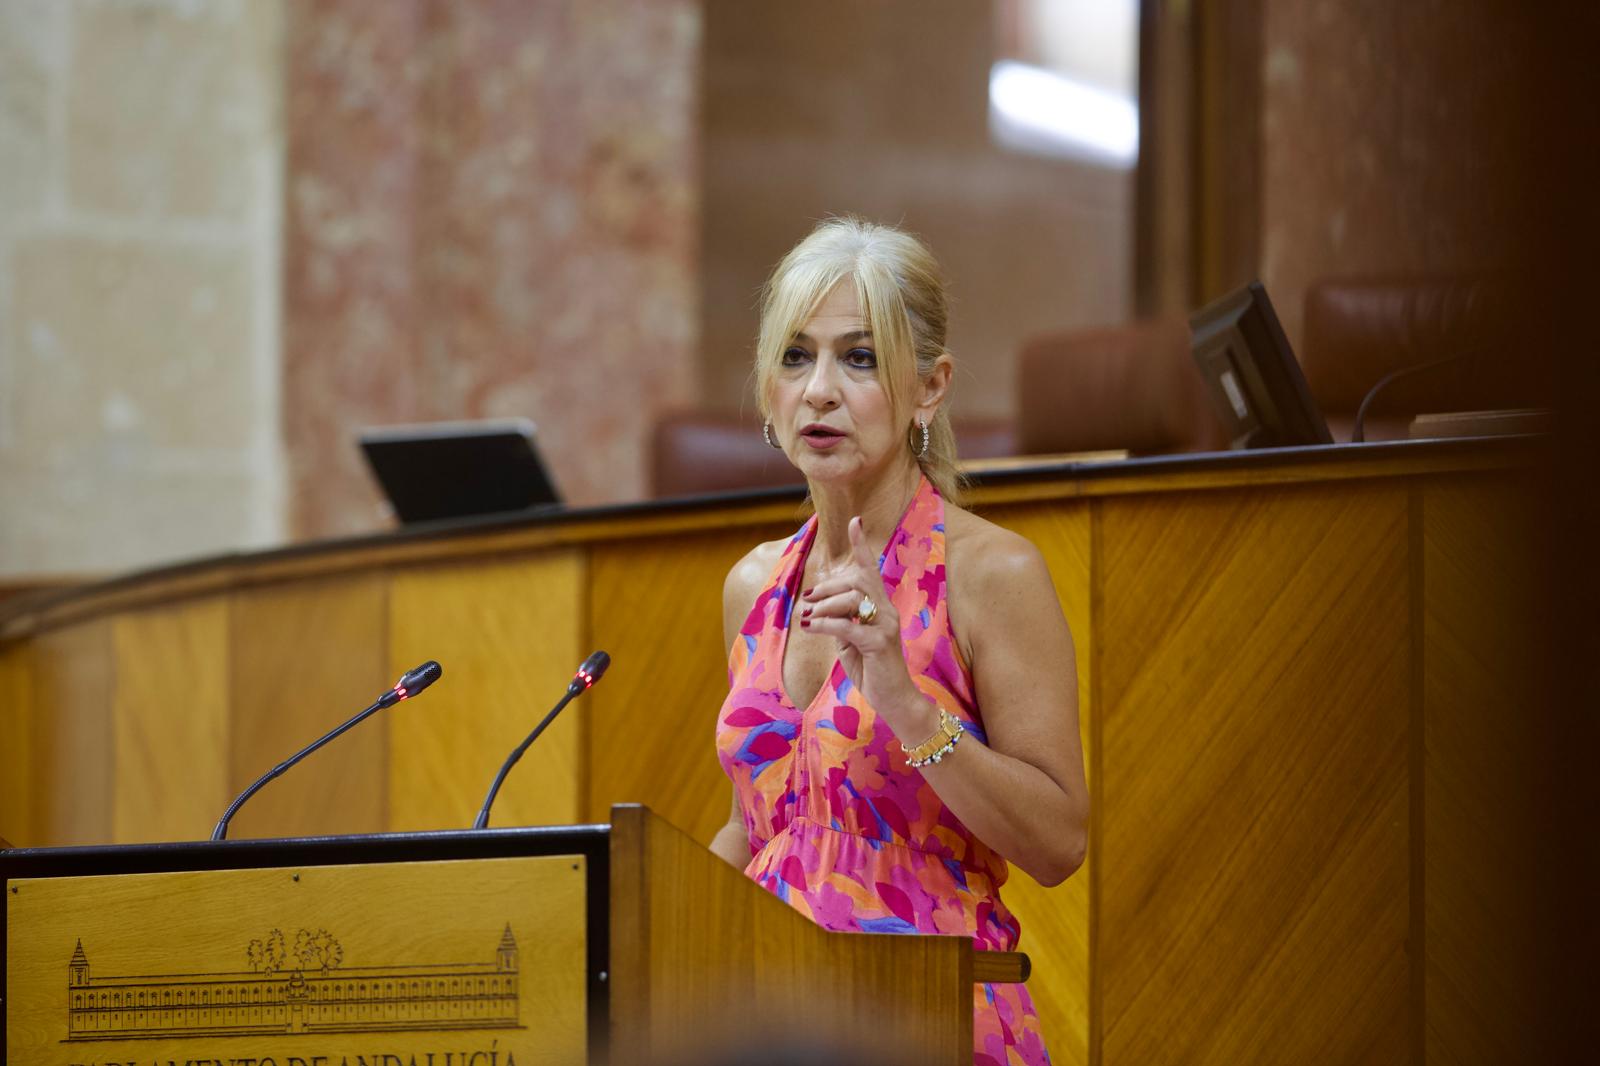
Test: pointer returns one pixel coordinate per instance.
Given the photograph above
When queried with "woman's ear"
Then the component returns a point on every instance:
(932, 390)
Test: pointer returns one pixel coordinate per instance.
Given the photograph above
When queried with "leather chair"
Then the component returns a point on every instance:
(1358, 330)
(696, 452)
(1132, 387)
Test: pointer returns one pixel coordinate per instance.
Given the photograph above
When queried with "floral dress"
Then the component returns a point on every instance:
(840, 827)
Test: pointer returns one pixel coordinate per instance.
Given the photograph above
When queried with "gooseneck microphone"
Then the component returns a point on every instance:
(582, 681)
(413, 682)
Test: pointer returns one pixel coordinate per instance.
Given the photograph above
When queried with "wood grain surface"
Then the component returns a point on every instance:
(498, 538)
(74, 760)
(1251, 769)
(1056, 921)
(702, 965)
(508, 637)
(170, 722)
(1487, 731)
(656, 606)
(304, 658)
(19, 791)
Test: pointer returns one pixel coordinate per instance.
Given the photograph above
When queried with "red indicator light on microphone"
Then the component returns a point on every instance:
(401, 692)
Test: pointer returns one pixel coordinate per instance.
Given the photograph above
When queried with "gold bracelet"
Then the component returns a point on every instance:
(936, 747)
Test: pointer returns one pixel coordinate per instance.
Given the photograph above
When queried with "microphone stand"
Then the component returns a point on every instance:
(482, 821)
(388, 699)
(411, 683)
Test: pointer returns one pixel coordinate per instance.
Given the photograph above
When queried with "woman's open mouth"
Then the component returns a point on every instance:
(820, 437)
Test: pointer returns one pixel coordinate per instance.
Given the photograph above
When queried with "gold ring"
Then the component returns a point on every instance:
(866, 610)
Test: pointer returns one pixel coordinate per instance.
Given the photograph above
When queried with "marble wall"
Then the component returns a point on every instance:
(140, 161)
(492, 211)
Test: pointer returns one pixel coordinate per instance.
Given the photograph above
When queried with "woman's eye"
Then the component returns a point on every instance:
(862, 358)
(793, 356)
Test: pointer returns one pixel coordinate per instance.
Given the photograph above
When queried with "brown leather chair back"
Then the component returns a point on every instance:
(695, 452)
(1358, 330)
(706, 451)
(1132, 387)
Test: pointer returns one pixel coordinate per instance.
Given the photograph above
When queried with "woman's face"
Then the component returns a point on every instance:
(829, 408)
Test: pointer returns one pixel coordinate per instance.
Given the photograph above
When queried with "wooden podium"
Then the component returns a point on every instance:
(623, 943)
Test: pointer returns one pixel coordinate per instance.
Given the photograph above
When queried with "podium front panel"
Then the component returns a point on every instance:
(461, 960)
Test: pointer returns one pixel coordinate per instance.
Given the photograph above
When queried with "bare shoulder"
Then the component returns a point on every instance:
(752, 571)
(744, 584)
(1000, 591)
(980, 554)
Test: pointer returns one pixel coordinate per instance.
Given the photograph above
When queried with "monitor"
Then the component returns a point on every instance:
(443, 470)
(1254, 380)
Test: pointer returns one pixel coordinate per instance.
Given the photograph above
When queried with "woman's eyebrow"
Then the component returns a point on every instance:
(843, 338)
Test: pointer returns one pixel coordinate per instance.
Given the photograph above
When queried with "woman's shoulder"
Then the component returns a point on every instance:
(982, 554)
(751, 572)
(999, 588)
(746, 580)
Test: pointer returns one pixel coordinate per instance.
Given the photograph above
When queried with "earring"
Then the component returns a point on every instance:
(922, 451)
(766, 435)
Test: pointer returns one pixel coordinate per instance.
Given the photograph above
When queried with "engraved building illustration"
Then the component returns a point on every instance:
(321, 999)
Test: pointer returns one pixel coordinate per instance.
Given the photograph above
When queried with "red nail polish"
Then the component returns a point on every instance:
(806, 613)
(805, 623)
(806, 592)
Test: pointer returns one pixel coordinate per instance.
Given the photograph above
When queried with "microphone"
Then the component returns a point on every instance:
(410, 683)
(591, 671)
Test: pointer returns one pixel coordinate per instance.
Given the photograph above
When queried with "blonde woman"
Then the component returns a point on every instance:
(902, 717)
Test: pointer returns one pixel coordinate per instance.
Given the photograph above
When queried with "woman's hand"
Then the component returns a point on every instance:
(870, 651)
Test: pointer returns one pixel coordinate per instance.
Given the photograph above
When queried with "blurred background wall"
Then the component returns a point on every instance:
(141, 228)
(234, 232)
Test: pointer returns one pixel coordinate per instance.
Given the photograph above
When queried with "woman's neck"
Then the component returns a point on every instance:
(880, 501)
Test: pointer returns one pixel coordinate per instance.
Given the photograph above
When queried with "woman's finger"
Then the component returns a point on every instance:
(858, 546)
(840, 605)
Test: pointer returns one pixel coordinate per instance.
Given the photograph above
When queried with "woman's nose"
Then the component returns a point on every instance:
(821, 388)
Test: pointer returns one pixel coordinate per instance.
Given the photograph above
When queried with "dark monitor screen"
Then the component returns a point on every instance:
(458, 469)
(1254, 380)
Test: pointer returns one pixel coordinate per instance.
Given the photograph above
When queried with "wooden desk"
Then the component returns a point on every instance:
(1305, 685)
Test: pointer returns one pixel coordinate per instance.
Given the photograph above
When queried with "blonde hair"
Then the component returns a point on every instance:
(902, 298)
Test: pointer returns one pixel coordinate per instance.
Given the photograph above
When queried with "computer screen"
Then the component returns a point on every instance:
(444, 470)
(1252, 375)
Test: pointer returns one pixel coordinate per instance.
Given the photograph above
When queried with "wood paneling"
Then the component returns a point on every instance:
(1315, 692)
(508, 636)
(656, 606)
(18, 788)
(1050, 479)
(703, 966)
(72, 685)
(304, 658)
(170, 721)
(1055, 921)
(1253, 719)
(1487, 718)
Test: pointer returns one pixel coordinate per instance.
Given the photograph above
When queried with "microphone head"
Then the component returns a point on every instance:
(591, 670)
(414, 681)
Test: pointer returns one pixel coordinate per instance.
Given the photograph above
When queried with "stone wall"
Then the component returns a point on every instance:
(140, 158)
(491, 212)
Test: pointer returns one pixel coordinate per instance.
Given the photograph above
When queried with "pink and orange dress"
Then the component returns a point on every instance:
(840, 827)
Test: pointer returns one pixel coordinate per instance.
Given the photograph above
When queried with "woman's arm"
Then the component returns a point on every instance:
(739, 591)
(732, 842)
(1024, 794)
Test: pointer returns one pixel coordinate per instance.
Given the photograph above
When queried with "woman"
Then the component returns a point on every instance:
(933, 724)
